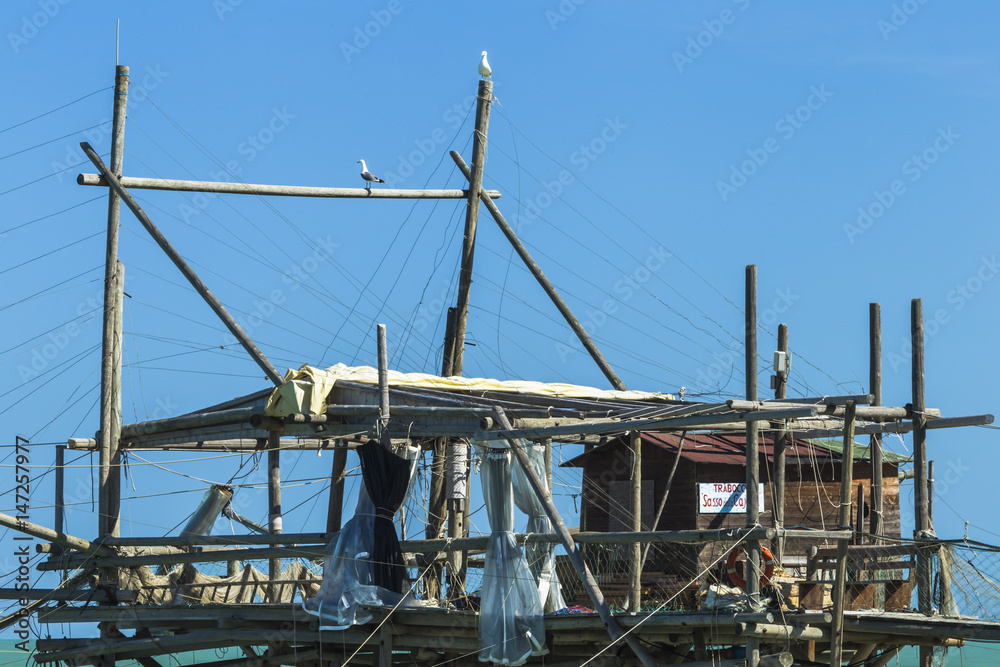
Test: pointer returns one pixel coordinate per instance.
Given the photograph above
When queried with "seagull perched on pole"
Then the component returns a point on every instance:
(368, 176)
(484, 67)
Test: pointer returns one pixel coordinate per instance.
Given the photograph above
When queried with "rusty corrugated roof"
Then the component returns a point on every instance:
(724, 448)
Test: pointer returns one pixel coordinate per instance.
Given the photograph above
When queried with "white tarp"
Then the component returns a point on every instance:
(305, 390)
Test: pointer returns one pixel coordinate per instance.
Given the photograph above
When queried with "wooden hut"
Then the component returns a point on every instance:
(708, 492)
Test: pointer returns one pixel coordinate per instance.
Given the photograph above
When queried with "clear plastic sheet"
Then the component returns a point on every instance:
(541, 557)
(511, 627)
(348, 576)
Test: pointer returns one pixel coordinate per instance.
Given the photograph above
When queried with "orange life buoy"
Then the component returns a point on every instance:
(738, 580)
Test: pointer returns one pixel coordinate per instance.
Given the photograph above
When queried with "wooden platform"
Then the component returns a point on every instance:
(429, 636)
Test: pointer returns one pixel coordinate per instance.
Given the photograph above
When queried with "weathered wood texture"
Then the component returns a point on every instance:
(277, 190)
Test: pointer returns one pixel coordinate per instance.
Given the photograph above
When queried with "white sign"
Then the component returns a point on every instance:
(725, 498)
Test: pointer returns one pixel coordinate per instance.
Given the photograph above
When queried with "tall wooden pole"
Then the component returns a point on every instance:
(483, 103)
(753, 460)
(875, 389)
(109, 486)
(274, 504)
(843, 522)
(459, 467)
(543, 280)
(780, 439)
(919, 421)
(635, 560)
(110, 421)
(921, 521)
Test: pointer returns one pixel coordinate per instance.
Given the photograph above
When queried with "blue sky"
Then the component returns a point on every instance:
(647, 152)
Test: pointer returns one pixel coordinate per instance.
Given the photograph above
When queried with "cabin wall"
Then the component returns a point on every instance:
(811, 496)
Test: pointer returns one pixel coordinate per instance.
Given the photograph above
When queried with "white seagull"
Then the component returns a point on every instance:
(484, 67)
(368, 176)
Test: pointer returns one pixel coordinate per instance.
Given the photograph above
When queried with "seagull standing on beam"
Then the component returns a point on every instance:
(368, 176)
(484, 67)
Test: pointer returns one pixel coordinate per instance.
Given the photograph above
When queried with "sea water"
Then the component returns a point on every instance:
(11, 656)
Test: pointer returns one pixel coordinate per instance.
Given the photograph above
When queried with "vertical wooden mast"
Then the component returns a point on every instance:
(458, 465)
(875, 389)
(483, 104)
(753, 460)
(922, 527)
(111, 339)
(780, 439)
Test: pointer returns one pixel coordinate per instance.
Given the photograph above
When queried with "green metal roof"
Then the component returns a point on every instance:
(861, 452)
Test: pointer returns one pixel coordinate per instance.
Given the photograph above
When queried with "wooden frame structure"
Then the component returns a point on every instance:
(280, 633)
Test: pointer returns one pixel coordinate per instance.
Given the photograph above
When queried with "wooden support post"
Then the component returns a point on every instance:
(930, 494)
(109, 475)
(384, 657)
(274, 505)
(383, 386)
(752, 574)
(922, 528)
(859, 518)
(335, 514)
(458, 489)
(59, 523)
(483, 103)
(547, 444)
(448, 356)
(540, 276)
(948, 606)
(110, 424)
(843, 520)
(185, 269)
(610, 624)
(458, 512)
(635, 506)
(780, 440)
(875, 388)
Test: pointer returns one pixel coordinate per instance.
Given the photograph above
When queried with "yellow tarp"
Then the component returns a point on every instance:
(306, 389)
